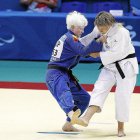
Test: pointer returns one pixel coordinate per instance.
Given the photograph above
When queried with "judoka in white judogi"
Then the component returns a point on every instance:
(120, 68)
(118, 46)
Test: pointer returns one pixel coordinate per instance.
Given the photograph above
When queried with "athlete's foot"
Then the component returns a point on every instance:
(73, 115)
(121, 133)
(68, 127)
(121, 129)
(82, 121)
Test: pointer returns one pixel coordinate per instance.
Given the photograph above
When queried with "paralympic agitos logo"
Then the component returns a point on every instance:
(133, 34)
(6, 36)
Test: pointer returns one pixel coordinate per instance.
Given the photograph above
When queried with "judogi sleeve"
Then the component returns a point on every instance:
(79, 49)
(86, 40)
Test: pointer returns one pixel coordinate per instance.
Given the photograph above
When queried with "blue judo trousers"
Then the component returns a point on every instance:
(64, 88)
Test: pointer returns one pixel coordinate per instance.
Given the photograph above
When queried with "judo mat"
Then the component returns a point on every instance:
(27, 114)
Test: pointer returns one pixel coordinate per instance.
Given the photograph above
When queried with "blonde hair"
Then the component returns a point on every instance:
(75, 19)
(104, 19)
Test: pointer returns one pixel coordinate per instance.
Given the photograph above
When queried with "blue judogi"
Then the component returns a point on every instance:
(66, 54)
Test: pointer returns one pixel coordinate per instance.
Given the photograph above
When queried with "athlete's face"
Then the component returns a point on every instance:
(103, 29)
(78, 30)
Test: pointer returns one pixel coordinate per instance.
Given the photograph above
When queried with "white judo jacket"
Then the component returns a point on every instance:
(118, 46)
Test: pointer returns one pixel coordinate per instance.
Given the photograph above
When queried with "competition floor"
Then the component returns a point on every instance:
(35, 115)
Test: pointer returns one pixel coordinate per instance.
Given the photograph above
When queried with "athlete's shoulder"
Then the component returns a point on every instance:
(72, 37)
(63, 38)
(122, 31)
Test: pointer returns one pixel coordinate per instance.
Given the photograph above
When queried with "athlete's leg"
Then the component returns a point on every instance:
(102, 87)
(57, 83)
(123, 94)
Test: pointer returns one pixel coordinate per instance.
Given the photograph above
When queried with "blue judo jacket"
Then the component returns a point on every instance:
(69, 49)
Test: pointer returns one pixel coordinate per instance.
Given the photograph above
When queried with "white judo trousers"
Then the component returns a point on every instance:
(124, 89)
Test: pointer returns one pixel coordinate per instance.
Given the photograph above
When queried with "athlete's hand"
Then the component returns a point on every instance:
(102, 39)
(95, 55)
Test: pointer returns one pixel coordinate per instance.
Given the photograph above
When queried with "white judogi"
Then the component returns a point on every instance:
(118, 46)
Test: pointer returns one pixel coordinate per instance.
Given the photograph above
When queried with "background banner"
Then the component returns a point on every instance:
(32, 36)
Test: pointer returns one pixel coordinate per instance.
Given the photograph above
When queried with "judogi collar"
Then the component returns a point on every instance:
(113, 30)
